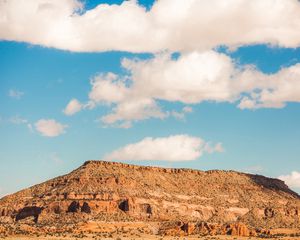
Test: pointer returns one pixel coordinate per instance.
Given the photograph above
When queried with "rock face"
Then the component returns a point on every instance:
(73, 207)
(205, 202)
(29, 212)
(204, 228)
(85, 208)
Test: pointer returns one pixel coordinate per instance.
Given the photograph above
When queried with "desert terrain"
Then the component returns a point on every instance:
(107, 200)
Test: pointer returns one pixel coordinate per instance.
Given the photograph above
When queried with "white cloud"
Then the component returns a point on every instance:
(181, 115)
(133, 110)
(172, 148)
(18, 120)
(292, 179)
(191, 27)
(174, 25)
(178, 115)
(50, 127)
(108, 88)
(214, 148)
(73, 107)
(127, 106)
(16, 94)
(211, 76)
(191, 79)
(274, 90)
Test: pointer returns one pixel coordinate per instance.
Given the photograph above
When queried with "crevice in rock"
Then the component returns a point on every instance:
(73, 207)
(146, 208)
(185, 227)
(85, 208)
(29, 212)
(57, 210)
(124, 206)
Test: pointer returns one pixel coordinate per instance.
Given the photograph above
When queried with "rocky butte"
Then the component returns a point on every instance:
(104, 197)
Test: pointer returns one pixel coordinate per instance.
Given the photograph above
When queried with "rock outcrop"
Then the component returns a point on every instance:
(204, 228)
(29, 212)
(183, 201)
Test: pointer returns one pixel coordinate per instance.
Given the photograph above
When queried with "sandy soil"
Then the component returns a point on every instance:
(150, 237)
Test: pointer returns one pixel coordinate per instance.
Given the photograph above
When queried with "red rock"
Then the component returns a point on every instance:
(205, 202)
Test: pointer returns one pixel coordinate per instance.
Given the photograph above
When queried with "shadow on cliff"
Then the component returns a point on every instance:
(273, 184)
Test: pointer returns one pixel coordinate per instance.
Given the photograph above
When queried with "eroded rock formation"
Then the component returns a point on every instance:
(204, 228)
(205, 202)
(85, 208)
(29, 212)
(73, 207)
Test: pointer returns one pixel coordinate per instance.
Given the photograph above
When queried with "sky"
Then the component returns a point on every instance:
(172, 83)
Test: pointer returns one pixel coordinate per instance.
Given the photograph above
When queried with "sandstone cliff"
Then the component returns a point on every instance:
(181, 199)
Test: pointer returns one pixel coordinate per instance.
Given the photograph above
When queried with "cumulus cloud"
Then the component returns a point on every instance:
(172, 148)
(173, 25)
(192, 78)
(16, 94)
(50, 127)
(191, 27)
(292, 179)
(211, 76)
(128, 106)
(108, 88)
(272, 91)
(73, 107)
(133, 110)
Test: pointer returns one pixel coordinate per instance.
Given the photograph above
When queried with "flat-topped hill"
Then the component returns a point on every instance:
(110, 191)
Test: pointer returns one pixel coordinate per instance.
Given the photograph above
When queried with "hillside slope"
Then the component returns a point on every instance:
(109, 191)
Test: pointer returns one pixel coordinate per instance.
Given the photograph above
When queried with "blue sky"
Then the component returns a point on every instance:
(37, 82)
